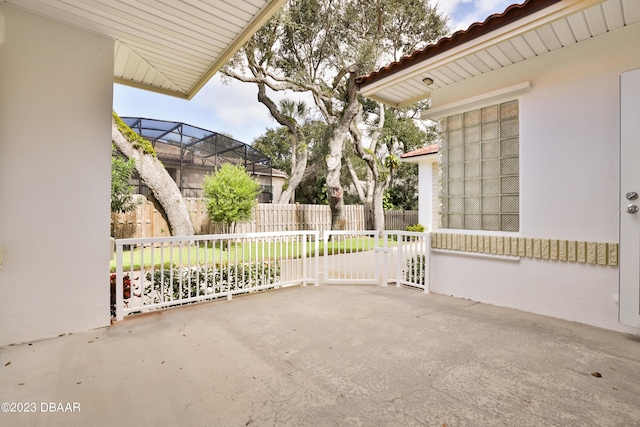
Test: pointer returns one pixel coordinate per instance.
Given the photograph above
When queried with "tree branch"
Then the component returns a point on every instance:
(357, 183)
(351, 69)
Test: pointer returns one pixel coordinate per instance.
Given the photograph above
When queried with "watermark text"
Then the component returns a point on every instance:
(52, 407)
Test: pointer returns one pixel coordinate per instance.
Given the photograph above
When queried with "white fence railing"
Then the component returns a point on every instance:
(366, 257)
(352, 257)
(411, 258)
(155, 273)
(169, 271)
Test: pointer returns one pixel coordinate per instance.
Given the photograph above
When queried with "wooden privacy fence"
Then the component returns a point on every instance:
(146, 221)
(400, 220)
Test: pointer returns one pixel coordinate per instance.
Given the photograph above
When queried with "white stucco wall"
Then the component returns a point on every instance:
(427, 191)
(424, 185)
(569, 145)
(56, 86)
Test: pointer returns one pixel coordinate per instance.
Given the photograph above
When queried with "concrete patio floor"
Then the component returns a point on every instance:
(329, 356)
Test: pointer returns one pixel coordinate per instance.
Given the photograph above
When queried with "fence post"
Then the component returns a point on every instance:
(427, 262)
(119, 280)
(316, 236)
(304, 260)
(400, 245)
(385, 246)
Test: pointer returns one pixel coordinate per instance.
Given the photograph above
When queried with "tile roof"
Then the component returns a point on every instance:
(513, 13)
(278, 172)
(429, 149)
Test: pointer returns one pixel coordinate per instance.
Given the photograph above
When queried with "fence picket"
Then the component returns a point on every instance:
(146, 221)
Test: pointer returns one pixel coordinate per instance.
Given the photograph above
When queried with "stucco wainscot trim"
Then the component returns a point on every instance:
(514, 248)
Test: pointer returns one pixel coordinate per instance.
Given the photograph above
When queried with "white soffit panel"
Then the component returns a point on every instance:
(518, 45)
(171, 46)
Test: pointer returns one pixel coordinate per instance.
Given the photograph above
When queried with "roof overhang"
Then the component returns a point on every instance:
(172, 47)
(424, 158)
(522, 32)
(424, 154)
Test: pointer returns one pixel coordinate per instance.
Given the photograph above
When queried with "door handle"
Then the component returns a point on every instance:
(631, 209)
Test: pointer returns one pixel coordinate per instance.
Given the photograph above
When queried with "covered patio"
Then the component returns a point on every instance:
(330, 355)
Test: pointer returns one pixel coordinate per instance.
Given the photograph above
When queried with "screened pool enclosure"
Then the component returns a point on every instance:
(189, 153)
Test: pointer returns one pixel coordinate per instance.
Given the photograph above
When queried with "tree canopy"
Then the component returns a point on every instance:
(320, 47)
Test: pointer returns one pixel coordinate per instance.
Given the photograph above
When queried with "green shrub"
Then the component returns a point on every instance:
(418, 228)
(122, 169)
(183, 282)
(232, 195)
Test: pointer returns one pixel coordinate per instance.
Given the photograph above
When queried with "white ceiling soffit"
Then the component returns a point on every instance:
(552, 28)
(171, 46)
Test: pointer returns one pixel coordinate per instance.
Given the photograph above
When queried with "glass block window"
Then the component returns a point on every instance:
(480, 169)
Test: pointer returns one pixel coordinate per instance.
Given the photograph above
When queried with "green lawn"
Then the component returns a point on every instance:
(236, 252)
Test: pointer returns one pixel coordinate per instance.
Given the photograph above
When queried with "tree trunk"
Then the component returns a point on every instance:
(298, 147)
(335, 193)
(357, 183)
(378, 208)
(297, 173)
(374, 208)
(376, 181)
(163, 187)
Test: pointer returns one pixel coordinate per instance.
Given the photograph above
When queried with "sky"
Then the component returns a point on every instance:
(233, 108)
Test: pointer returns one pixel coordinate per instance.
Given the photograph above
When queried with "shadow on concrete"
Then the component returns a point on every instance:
(330, 356)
